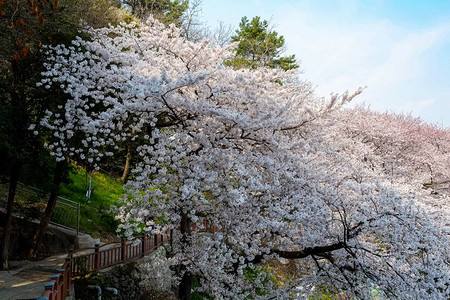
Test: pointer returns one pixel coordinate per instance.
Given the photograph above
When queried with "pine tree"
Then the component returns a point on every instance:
(166, 11)
(260, 46)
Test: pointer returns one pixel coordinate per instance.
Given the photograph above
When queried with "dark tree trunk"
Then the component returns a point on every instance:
(13, 179)
(16, 136)
(184, 291)
(126, 168)
(58, 177)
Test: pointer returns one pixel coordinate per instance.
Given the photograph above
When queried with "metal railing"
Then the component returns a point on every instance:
(65, 214)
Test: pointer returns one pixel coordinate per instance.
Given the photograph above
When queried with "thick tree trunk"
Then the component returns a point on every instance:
(126, 168)
(184, 290)
(13, 179)
(54, 192)
(16, 139)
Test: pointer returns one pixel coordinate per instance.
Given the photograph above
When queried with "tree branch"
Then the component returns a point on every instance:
(320, 251)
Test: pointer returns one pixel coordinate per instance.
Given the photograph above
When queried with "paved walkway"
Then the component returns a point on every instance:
(27, 278)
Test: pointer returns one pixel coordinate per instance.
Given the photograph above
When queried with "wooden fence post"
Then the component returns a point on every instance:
(96, 257)
(144, 238)
(65, 286)
(68, 272)
(124, 250)
(56, 287)
(69, 257)
(48, 287)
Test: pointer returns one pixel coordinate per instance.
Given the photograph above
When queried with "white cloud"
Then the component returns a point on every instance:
(417, 107)
(407, 58)
(392, 61)
(342, 45)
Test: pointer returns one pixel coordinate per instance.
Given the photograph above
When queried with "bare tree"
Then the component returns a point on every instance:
(222, 33)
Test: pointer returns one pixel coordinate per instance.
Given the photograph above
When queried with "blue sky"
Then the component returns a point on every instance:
(400, 50)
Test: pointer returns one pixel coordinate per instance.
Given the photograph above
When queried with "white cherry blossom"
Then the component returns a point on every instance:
(255, 154)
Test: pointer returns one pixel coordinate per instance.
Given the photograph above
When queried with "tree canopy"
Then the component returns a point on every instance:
(166, 11)
(256, 159)
(258, 46)
(26, 27)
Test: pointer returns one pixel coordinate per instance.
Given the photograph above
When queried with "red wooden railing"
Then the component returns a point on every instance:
(206, 227)
(126, 251)
(58, 287)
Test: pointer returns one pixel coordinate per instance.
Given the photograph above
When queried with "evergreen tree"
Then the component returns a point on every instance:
(166, 11)
(260, 46)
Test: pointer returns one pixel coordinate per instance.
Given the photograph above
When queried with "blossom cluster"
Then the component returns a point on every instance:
(250, 152)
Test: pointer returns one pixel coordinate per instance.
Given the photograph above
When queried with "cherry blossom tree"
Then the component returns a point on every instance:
(404, 150)
(250, 152)
(405, 146)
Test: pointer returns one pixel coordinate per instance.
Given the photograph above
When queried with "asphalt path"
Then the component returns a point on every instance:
(26, 279)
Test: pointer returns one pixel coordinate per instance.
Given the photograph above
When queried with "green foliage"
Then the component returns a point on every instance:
(166, 11)
(199, 295)
(94, 218)
(82, 264)
(259, 46)
(260, 277)
(251, 274)
(96, 13)
(106, 191)
(328, 293)
(97, 222)
(25, 27)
